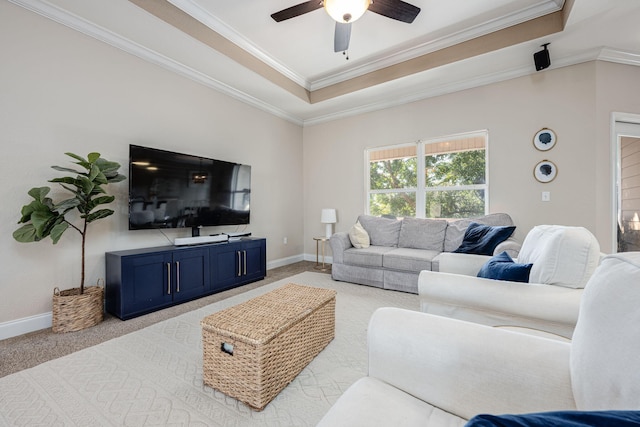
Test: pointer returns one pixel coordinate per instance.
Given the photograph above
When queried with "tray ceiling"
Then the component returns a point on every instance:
(289, 68)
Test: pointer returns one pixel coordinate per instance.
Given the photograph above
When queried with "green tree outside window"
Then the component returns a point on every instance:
(454, 185)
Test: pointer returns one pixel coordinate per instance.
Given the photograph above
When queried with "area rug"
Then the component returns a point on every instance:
(153, 377)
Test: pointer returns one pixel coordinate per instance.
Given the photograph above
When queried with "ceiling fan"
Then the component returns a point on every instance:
(344, 12)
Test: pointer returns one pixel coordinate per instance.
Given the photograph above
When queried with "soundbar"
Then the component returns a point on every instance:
(183, 241)
(240, 234)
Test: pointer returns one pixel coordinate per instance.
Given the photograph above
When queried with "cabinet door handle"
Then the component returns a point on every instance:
(244, 253)
(239, 264)
(168, 278)
(177, 276)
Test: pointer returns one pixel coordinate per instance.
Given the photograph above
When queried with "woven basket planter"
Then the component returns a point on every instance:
(73, 311)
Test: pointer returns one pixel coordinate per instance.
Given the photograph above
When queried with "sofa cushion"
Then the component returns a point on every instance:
(561, 255)
(422, 233)
(455, 233)
(502, 267)
(455, 229)
(480, 239)
(605, 367)
(358, 274)
(559, 418)
(409, 259)
(382, 231)
(366, 257)
(358, 236)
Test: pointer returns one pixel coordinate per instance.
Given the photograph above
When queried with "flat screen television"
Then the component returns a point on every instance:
(174, 190)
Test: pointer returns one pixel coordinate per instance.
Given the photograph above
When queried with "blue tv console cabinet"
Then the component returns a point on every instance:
(140, 281)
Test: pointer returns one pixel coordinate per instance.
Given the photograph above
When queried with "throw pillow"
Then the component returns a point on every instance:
(359, 236)
(502, 267)
(559, 418)
(482, 239)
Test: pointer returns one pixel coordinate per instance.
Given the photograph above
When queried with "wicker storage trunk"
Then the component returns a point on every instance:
(254, 349)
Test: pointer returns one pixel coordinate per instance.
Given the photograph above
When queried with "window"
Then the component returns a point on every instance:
(393, 181)
(444, 178)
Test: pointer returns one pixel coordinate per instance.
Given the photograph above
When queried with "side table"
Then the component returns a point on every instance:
(323, 266)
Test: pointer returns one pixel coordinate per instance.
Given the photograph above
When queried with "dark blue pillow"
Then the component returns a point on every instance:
(482, 239)
(559, 418)
(502, 267)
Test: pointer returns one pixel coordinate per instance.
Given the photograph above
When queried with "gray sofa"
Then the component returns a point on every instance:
(400, 249)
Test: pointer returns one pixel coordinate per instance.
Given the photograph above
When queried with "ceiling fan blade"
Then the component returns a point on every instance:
(342, 37)
(297, 10)
(395, 9)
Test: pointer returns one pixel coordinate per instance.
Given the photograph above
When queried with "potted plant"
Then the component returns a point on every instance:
(82, 307)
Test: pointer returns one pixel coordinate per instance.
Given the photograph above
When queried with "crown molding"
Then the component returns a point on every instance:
(193, 8)
(77, 23)
(618, 56)
(395, 57)
(424, 94)
(603, 54)
(97, 32)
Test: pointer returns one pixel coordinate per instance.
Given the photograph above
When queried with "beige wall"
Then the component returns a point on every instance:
(576, 102)
(62, 91)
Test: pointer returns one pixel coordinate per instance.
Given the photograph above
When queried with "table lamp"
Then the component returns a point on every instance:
(328, 217)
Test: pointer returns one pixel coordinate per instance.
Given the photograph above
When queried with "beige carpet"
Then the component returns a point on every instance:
(28, 350)
(154, 376)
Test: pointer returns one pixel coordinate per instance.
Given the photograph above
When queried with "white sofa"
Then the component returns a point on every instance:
(563, 258)
(426, 370)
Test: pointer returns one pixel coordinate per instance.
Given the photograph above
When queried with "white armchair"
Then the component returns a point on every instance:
(563, 258)
(427, 370)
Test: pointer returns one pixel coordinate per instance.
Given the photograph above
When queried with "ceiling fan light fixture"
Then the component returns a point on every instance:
(199, 177)
(345, 11)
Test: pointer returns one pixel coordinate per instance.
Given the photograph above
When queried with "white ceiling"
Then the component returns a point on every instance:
(300, 50)
(304, 45)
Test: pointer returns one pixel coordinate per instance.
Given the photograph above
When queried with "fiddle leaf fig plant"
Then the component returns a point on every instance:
(44, 218)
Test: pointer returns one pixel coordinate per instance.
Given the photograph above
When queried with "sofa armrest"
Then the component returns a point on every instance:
(467, 264)
(511, 246)
(470, 264)
(339, 242)
(549, 304)
(466, 368)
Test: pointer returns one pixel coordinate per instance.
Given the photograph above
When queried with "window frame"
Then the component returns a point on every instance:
(422, 190)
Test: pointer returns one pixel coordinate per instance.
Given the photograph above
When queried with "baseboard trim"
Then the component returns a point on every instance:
(13, 328)
(312, 257)
(284, 261)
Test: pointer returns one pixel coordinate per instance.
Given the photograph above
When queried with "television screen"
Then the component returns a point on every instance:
(173, 190)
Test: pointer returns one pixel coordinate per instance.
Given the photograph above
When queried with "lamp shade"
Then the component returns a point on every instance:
(328, 216)
(346, 10)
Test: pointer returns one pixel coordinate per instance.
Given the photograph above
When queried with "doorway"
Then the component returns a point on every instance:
(627, 182)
